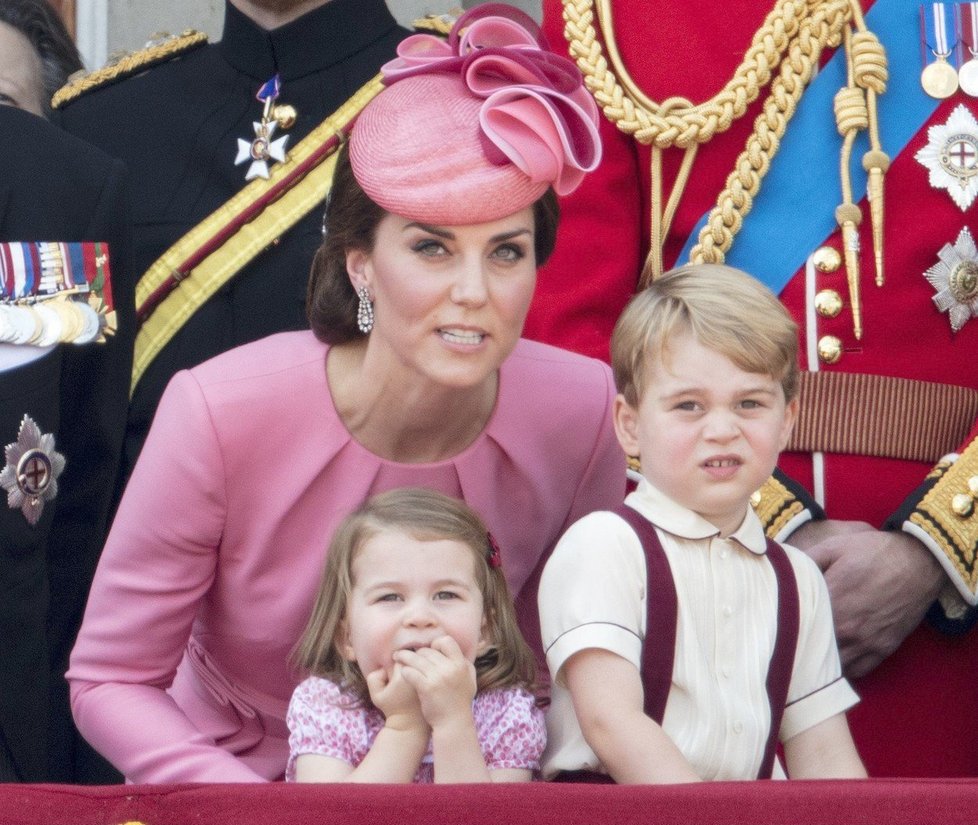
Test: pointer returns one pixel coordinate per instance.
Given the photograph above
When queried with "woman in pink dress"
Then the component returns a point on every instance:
(414, 373)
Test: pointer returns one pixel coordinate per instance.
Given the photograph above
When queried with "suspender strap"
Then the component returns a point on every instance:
(785, 643)
(661, 612)
(661, 620)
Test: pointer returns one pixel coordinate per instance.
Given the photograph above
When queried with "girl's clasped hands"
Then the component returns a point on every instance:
(418, 670)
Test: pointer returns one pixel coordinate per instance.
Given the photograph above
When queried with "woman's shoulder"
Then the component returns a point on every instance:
(534, 355)
(271, 374)
(277, 354)
(550, 374)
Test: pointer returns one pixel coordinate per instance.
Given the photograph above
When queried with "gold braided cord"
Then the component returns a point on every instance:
(855, 112)
(870, 73)
(823, 27)
(787, 47)
(676, 121)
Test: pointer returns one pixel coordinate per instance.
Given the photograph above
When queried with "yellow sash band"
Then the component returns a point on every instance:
(194, 287)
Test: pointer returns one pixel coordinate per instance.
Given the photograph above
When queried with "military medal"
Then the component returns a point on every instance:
(951, 156)
(938, 78)
(30, 476)
(55, 293)
(955, 279)
(263, 148)
(968, 34)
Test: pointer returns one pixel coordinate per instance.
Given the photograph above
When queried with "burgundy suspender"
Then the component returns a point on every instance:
(661, 620)
(661, 613)
(785, 643)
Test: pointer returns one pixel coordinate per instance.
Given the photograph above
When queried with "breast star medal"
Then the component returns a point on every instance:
(955, 279)
(263, 149)
(30, 476)
(951, 156)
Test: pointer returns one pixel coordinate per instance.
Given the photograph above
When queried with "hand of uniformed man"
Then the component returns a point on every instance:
(881, 584)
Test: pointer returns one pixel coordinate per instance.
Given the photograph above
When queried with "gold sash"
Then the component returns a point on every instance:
(214, 251)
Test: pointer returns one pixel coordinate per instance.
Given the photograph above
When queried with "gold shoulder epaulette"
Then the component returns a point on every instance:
(775, 506)
(949, 516)
(157, 51)
(435, 23)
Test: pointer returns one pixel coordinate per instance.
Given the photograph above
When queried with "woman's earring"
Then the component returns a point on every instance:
(365, 311)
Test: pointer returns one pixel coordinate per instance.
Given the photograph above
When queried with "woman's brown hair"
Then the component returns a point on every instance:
(351, 223)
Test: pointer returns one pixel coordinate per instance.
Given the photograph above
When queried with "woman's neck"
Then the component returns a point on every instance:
(399, 418)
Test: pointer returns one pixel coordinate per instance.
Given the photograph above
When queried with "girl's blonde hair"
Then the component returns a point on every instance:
(426, 516)
(723, 308)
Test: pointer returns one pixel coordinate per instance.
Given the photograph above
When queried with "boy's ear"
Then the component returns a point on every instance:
(790, 416)
(626, 425)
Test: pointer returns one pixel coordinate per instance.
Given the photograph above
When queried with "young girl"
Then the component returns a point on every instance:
(418, 670)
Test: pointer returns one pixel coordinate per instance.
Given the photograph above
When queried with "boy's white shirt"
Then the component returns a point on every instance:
(592, 595)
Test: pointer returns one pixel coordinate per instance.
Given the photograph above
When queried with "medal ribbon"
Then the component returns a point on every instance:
(46, 268)
(33, 256)
(7, 273)
(76, 273)
(21, 286)
(968, 27)
(270, 89)
(938, 28)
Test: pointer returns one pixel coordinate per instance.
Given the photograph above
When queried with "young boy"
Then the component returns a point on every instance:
(688, 651)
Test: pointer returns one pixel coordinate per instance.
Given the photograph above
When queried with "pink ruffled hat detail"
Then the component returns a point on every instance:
(476, 128)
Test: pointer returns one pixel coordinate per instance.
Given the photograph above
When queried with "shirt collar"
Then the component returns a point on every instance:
(323, 37)
(669, 515)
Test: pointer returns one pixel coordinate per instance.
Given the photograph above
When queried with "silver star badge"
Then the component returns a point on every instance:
(261, 149)
(951, 156)
(30, 476)
(955, 277)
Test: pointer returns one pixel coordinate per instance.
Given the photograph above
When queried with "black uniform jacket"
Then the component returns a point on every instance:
(177, 127)
(54, 187)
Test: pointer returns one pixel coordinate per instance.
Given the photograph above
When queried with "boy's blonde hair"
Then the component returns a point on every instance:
(726, 310)
(426, 516)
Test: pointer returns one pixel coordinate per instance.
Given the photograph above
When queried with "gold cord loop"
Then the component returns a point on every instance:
(783, 54)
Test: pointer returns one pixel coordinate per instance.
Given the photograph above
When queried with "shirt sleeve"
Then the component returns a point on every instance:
(322, 721)
(511, 729)
(817, 690)
(592, 593)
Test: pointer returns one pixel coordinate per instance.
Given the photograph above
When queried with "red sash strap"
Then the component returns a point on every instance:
(661, 620)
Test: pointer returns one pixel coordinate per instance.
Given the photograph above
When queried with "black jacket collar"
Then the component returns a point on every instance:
(317, 40)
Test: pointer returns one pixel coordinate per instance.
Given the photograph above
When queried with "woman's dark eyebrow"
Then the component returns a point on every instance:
(449, 236)
(434, 230)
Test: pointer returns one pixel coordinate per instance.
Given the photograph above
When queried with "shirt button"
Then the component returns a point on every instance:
(738, 727)
(724, 554)
(728, 611)
(725, 672)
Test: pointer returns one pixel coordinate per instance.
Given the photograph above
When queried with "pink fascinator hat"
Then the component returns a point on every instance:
(476, 128)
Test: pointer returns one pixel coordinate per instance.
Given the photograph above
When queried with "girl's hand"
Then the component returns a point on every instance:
(394, 696)
(444, 680)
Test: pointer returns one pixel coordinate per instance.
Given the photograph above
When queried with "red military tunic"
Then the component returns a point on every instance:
(917, 716)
